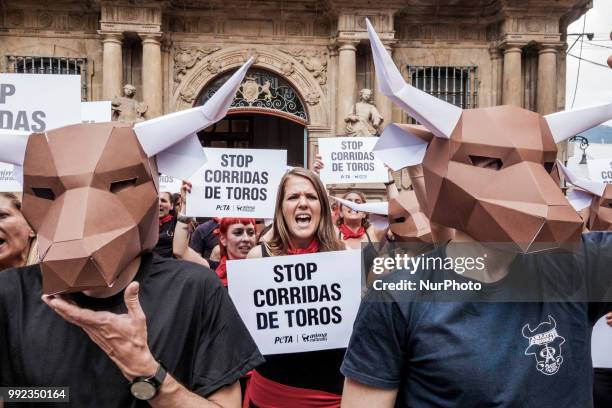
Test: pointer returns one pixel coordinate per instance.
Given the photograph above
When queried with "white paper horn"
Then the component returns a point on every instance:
(594, 187)
(568, 123)
(12, 148)
(436, 115)
(158, 134)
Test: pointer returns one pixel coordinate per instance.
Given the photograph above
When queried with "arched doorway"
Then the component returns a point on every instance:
(267, 113)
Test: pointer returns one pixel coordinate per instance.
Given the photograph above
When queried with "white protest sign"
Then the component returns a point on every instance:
(601, 343)
(297, 303)
(600, 170)
(237, 183)
(35, 103)
(7, 181)
(96, 112)
(350, 160)
(169, 184)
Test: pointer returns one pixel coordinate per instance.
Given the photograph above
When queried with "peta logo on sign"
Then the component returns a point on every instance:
(545, 345)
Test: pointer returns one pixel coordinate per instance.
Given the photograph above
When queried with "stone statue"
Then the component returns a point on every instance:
(126, 108)
(364, 119)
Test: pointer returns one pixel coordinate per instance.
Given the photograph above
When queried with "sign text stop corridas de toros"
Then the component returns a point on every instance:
(297, 303)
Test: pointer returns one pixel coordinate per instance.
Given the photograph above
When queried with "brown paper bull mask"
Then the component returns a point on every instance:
(594, 195)
(91, 190)
(407, 221)
(486, 170)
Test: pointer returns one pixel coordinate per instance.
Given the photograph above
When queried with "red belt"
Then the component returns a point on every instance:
(265, 393)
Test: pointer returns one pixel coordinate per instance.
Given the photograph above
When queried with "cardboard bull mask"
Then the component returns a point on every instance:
(486, 170)
(407, 221)
(91, 190)
(594, 195)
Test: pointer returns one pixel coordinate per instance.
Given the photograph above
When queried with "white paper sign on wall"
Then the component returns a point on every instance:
(96, 112)
(600, 170)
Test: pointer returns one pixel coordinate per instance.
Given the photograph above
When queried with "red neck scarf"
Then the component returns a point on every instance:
(348, 234)
(310, 249)
(166, 219)
(222, 270)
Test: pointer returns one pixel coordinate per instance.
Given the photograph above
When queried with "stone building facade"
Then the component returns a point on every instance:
(313, 53)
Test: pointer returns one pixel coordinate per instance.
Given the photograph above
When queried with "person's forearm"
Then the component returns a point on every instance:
(173, 394)
(180, 243)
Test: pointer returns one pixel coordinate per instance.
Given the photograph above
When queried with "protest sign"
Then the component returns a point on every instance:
(600, 344)
(8, 182)
(96, 112)
(600, 170)
(169, 184)
(35, 103)
(237, 183)
(350, 160)
(297, 303)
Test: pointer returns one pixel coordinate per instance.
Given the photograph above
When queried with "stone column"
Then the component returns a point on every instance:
(383, 104)
(347, 81)
(512, 93)
(152, 74)
(546, 96)
(496, 75)
(112, 66)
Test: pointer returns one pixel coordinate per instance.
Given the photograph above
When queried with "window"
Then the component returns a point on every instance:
(456, 85)
(50, 65)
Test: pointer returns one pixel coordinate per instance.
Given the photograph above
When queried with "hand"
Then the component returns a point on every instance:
(318, 164)
(609, 319)
(185, 188)
(123, 337)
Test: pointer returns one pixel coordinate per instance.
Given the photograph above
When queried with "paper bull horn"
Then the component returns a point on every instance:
(438, 116)
(566, 124)
(13, 149)
(158, 134)
(441, 117)
(594, 187)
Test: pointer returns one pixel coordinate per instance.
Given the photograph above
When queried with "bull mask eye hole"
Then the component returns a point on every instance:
(493, 163)
(549, 166)
(399, 220)
(610, 204)
(121, 185)
(44, 193)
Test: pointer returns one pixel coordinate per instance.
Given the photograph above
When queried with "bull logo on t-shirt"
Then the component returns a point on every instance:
(545, 344)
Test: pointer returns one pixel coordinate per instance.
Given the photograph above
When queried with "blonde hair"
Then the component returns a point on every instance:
(325, 234)
(365, 222)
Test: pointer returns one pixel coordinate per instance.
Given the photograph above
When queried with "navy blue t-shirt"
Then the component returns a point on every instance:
(485, 354)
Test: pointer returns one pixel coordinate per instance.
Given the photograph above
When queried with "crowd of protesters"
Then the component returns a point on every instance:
(304, 222)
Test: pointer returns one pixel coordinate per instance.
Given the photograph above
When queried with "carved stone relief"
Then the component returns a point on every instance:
(312, 98)
(51, 20)
(214, 67)
(315, 61)
(188, 95)
(287, 68)
(186, 57)
(444, 32)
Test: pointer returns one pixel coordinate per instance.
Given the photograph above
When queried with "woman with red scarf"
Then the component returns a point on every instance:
(167, 224)
(353, 226)
(237, 236)
(302, 224)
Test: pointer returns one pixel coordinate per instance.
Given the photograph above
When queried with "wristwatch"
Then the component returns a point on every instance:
(145, 388)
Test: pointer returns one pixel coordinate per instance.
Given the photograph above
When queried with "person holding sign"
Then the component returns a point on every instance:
(237, 236)
(167, 224)
(302, 225)
(17, 239)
